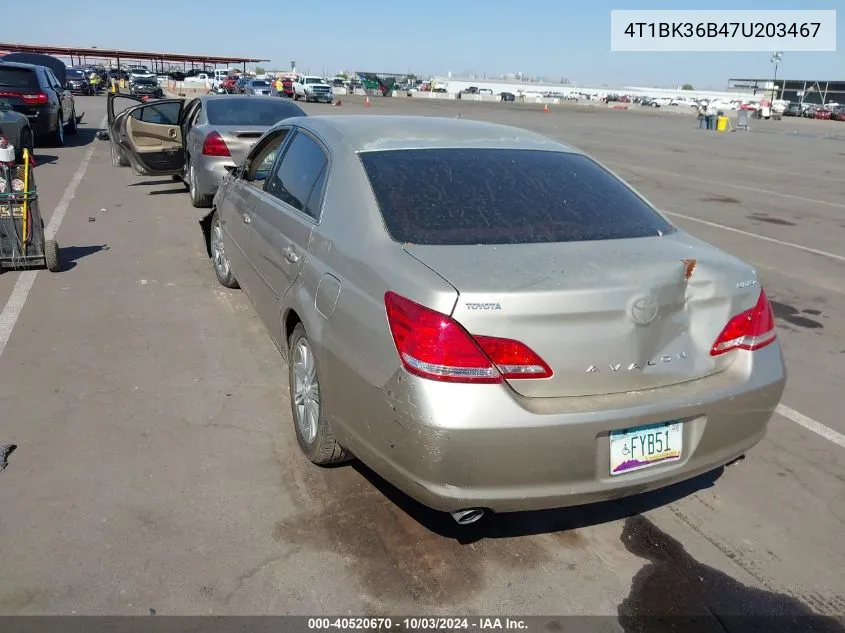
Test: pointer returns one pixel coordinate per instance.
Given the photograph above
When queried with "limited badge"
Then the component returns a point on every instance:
(17, 184)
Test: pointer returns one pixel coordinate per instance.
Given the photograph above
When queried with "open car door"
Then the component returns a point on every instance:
(151, 137)
(117, 103)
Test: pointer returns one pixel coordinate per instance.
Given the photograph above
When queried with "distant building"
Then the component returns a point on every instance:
(795, 90)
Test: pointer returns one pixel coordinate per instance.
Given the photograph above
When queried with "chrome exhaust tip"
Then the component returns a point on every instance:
(465, 517)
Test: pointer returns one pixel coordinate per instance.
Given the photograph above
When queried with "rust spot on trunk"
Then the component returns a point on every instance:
(689, 268)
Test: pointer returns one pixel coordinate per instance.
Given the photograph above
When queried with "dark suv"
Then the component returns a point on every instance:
(793, 109)
(35, 92)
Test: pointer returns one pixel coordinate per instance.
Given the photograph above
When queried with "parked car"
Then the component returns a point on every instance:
(228, 84)
(38, 94)
(15, 128)
(196, 141)
(793, 109)
(260, 87)
(508, 96)
(287, 88)
(240, 85)
(822, 113)
(489, 319)
(78, 82)
(145, 87)
(312, 88)
(141, 73)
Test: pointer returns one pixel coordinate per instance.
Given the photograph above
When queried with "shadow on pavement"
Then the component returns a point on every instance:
(163, 192)
(161, 182)
(508, 525)
(152, 183)
(45, 159)
(71, 254)
(83, 136)
(674, 592)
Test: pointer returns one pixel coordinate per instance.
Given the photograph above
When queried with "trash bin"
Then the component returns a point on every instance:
(722, 124)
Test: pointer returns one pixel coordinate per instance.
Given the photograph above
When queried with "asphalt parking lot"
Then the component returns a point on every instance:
(157, 466)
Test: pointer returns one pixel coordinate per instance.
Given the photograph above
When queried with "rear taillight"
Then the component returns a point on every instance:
(214, 145)
(749, 330)
(29, 98)
(435, 346)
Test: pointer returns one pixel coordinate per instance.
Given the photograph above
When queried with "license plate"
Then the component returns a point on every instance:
(645, 446)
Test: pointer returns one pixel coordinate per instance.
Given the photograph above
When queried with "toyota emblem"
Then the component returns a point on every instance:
(644, 310)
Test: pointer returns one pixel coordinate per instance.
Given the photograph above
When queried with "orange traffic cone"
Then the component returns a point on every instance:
(367, 102)
(546, 108)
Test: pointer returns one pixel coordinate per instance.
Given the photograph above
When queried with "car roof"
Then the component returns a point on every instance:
(362, 133)
(219, 97)
(18, 65)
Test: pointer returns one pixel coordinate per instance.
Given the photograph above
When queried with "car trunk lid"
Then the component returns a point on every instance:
(584, 307)
(240, 138)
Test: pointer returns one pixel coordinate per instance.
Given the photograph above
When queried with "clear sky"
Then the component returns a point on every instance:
(551, 38)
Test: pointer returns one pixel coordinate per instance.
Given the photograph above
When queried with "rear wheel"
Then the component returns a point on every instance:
(313, 431)
(72, 127)
(117, 157)
(222, 265)
(198, 200)
(26, 142)
(59, 133)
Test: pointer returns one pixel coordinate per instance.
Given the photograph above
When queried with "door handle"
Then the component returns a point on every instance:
(290, 255)
(246, 219)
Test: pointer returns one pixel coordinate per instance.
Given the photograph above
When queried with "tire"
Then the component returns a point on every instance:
(117, 157)
(219, 259)
(51, 256)
(313, 431)
(72, 127)
(27, 141)
(58, 135)
(200, 201)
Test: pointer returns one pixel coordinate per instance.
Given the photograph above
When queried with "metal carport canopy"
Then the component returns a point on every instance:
(113, 53)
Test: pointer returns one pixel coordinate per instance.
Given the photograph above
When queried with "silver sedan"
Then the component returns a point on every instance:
(260, 87)
(196, 141)
(489, 319)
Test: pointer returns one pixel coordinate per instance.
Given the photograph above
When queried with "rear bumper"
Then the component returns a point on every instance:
(209, 172)
(44, 122)
(461, 446)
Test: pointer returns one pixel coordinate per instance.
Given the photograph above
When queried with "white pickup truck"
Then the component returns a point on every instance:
(201, 78)
(312, 88)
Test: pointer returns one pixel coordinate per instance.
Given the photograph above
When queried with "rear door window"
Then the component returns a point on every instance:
(504, 196)
(295, 178)
(20, 78)
(262, 158)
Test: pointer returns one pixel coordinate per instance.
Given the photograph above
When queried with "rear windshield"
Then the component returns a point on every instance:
(18, 78)
(249, 111)
(503, 196)
(260, 83)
